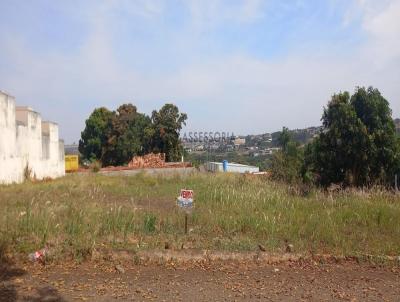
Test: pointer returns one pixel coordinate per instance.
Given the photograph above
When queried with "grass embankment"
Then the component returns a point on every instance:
(78, 213)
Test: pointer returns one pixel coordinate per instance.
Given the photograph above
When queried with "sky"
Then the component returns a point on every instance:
(239, 66)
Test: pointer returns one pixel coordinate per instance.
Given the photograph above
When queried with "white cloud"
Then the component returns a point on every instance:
(384, 28)
(236, 92)
(381, 23)
(259, 95)
(144, 8)
(207, 14)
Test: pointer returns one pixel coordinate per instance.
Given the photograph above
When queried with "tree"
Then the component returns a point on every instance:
(357, 145)
(374, 112)
(94, 136)
(126, 137)
(284, 138)
(115, 137)
(286, 164)
(167, 123)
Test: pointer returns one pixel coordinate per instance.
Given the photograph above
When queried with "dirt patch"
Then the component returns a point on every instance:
(185, 254)
(216, 281)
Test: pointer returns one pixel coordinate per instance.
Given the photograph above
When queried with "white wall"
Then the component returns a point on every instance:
(232, 167)
(27, 142)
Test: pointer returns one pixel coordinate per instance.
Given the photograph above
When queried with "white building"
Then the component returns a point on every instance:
(27, 144)
(231, 167)
(239, 141)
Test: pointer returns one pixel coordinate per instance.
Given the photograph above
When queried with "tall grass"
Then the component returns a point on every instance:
(79, 213)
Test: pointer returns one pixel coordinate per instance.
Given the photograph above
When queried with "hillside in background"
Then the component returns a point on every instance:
(250, 149)
(302, 136)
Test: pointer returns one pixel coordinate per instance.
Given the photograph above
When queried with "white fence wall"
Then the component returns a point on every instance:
(231, 167)
(27, 143)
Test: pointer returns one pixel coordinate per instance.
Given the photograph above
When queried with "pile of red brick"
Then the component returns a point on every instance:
(150, 160)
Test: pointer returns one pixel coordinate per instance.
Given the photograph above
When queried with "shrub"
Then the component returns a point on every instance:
(95, 166)
(149, 222)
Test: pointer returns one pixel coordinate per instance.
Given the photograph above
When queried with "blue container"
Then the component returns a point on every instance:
(225, 165)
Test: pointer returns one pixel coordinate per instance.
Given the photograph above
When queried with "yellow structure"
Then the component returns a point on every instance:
(71, 163)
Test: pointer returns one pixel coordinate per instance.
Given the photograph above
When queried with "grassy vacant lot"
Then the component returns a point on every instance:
(78, 213)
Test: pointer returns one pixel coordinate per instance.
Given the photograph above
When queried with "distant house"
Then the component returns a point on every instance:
(239, 141)
(271, 150)
(255, 154)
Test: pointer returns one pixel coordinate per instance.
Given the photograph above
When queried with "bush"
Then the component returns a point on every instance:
(287, 163)
(149, 223)
(95, 166)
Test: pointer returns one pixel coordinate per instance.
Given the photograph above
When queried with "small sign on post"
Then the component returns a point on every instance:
(185, 202)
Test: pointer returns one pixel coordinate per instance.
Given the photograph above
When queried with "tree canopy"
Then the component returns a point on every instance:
(167, 123)
(286, 164)
(114, 137)
(126, 136)
(358, 144)
(94, 136)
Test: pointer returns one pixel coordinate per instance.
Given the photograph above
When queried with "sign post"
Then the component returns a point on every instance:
(185, 202)
(186, 223)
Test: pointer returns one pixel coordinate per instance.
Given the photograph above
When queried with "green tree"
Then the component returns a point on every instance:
(284, 138)
(94, 136)
(374, 112)
(126, 137)
(286, 164)
(167, 123)
(357, 145)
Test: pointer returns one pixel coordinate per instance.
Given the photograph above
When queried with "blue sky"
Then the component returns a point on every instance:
(242, 66)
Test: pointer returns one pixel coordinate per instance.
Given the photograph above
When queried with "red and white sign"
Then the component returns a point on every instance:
(187, 194)
(185, 200)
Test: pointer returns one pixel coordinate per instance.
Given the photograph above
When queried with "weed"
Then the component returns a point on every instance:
(78, 213)
(149, 223)
(95, 166)
(27, 173)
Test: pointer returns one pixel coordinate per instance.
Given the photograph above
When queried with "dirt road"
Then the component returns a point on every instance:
(290, 281)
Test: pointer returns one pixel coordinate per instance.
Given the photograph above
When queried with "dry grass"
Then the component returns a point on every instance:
(79, 213)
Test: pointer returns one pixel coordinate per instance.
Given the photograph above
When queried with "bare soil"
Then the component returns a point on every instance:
(216, 281)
